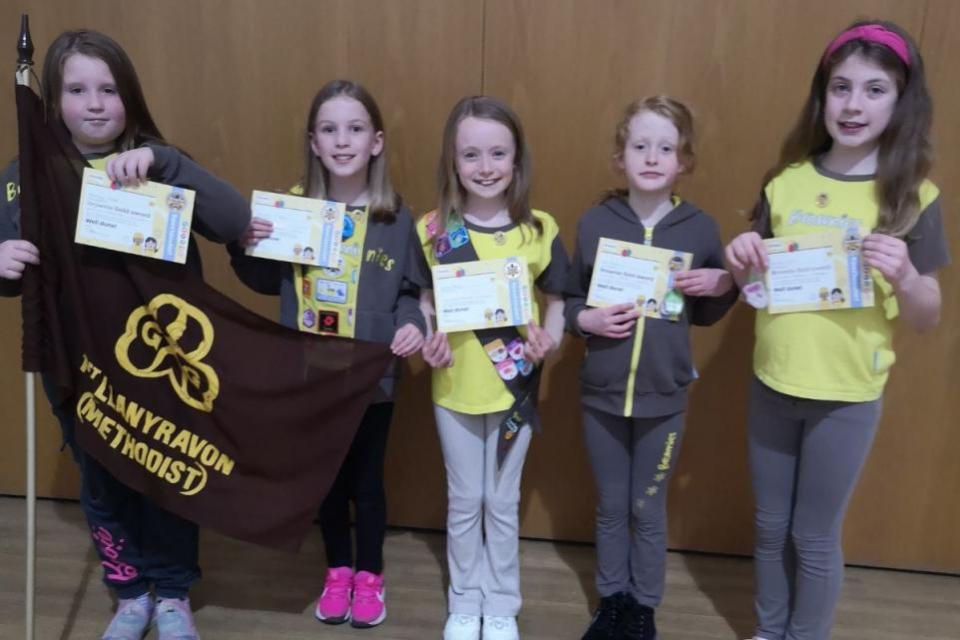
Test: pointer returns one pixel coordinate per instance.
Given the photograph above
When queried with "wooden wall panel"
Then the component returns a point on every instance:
(905, 512)
(231, 81)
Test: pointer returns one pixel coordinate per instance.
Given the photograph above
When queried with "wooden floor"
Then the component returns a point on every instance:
(248, 592)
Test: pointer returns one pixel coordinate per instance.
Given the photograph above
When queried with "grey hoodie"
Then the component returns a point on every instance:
(664, 369)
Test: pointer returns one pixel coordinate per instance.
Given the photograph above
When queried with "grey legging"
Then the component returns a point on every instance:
(805, 458)
(632, 461)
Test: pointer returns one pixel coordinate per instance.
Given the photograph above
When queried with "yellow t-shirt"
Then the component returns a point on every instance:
(472, 385)
(100, 164)
(842, 355)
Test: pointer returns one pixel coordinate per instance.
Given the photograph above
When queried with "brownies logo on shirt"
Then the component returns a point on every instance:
(380, 258)
(843, 221)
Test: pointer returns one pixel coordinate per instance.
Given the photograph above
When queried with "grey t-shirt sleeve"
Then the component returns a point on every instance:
(220, 213)
(927, 242)
(553, 279)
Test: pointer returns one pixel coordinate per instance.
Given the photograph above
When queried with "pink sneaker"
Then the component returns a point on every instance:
(368, 608)
(333, 605)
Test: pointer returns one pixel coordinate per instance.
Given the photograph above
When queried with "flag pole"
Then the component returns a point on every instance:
(24, 69)
(30, 379)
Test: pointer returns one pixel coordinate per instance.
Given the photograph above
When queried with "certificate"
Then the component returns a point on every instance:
(639, 274)
(305, 230)
(151, 219)
(482, 294)
(817, 272)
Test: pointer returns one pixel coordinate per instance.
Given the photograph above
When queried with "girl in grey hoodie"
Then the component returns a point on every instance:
(638, 365)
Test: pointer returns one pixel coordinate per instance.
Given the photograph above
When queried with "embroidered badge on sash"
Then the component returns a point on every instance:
(329, 322)
(454, 236)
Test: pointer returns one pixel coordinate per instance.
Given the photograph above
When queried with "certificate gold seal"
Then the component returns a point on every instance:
(512, 270)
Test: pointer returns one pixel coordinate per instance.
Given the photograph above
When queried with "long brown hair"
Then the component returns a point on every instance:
(452, 194)
(665, 106)
(384, 201)
(140, 126)
(904, 156)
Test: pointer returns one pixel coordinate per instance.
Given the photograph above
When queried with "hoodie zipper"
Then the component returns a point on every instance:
(637, 343)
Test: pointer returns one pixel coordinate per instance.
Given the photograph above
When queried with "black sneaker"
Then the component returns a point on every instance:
(609, 616)
(637, 623)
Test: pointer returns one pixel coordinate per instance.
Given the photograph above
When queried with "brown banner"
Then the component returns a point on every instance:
(217, 414)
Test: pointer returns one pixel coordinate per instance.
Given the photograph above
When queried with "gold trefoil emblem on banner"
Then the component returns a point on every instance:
(155, 336)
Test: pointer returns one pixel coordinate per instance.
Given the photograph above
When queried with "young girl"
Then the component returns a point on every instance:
(484, 182)
(90, 85)
(856, 161)
(374, 296)
(635, 378)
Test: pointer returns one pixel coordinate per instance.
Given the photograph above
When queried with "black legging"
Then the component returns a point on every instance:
(139, 543)
(360, 480)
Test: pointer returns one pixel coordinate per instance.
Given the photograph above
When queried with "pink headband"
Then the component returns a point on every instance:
(872, 33)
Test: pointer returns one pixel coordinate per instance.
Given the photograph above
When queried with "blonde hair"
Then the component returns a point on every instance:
(452, 193)
(384, 201)
(674, 111)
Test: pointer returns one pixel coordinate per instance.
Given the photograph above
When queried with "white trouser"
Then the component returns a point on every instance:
(482, 513)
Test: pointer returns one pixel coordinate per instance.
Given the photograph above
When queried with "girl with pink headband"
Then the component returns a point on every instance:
(855, 163)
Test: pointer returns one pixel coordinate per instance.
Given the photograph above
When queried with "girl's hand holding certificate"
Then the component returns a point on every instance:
(538, 344)
(615, 321)
(744, 252)
(889, 256)
(481, 294)
(130, 167)
(812, 272)
(120, 210)
(258, 229)
(710, 283)
(307, 231)
(626, 272)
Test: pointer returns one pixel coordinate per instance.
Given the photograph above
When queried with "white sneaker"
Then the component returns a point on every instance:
(500, 628)
(461, 627)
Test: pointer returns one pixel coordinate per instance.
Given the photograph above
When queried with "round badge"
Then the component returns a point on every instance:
(348, 227)
(673, 303)
(500, 238)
